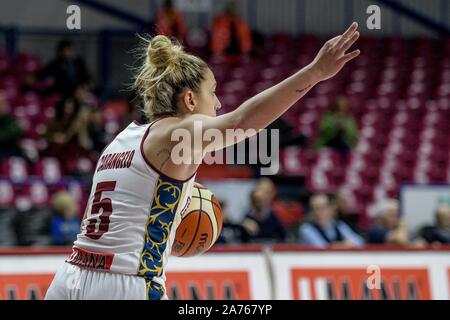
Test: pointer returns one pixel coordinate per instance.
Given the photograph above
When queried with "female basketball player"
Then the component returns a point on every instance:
(139, 193)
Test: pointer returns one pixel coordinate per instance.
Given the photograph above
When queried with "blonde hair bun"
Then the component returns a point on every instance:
(161, 52)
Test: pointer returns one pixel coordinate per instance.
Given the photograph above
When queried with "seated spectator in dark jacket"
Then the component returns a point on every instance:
(65, 224)
(388, 227)
(261, 224)
(10, 131)
(323, 230)
(231, 232)
(440, 232)
(346, 211)
(66, 69)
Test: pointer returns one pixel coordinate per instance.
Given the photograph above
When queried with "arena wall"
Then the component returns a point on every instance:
(257, 272)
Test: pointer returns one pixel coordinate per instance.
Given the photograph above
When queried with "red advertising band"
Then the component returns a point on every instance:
(90, 260)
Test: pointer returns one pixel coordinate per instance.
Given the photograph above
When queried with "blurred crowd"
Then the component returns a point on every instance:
(41, 225)
(328, 221)
(78, 125)
(322, 221)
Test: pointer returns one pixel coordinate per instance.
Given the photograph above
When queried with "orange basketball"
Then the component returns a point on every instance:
(200, 226)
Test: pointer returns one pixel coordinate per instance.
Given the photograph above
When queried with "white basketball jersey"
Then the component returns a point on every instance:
(132, 213)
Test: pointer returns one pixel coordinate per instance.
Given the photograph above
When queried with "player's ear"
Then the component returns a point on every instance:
(189, 100)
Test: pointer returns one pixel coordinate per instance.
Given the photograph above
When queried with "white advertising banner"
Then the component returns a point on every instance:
(214, 276)
(233, 275)
(390, 275)
(279, 274)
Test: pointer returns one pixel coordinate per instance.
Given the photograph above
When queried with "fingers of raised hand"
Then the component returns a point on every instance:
(351, 30)
(348, 43)
(346, 37)
(349, 56)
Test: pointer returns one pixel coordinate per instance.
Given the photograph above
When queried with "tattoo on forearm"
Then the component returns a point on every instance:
(301, 90)
(164, 151)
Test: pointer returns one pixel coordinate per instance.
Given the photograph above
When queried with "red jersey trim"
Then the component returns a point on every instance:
(90, 260)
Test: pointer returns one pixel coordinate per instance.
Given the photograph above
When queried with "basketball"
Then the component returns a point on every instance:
(200, 226)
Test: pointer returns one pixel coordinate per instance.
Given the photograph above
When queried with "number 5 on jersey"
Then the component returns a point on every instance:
(98, 203)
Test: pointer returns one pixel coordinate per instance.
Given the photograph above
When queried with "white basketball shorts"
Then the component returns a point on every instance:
(74, 283)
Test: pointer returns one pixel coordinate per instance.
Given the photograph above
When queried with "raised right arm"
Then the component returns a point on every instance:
(263, 108)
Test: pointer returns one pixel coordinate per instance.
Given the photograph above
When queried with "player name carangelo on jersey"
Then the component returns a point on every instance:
(132, 214)
(117, 160)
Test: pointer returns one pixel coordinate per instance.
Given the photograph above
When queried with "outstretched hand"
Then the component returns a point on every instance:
(332, 56)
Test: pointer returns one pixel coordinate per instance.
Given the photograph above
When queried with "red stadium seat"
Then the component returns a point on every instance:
(38, 194)
(6, 194)
(49, 169)
(28, 62)
(15, 168)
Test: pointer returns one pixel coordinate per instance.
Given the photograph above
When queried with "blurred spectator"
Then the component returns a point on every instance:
(440, 232)
(97, 138)
(346, 211)
(287, 134)
(7, 234)
(66, 69)
(230, 34)
(170, 22)
(388, 228)
(68, 131)
(231, 232)
(288, 212)
(133, 113)
(267, 187)
(32, 216)
(261, 224)
(338, 128)
(10, 132)
(96, 130)
(323, 230)
(65, 224)
(85, 97)
(8, 212)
